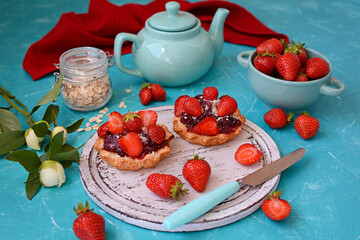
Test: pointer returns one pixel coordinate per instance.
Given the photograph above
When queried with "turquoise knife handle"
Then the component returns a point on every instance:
(200, 206)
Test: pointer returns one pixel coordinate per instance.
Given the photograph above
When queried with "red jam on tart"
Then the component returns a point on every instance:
(206, 119)
(133, 140)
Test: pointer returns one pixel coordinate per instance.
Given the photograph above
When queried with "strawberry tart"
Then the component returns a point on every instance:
(206, 119)
(133, 140)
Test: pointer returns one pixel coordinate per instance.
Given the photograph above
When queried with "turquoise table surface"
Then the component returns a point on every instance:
(323, 188)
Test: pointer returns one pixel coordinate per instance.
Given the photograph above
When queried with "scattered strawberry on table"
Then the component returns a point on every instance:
(88, 225)
(306, 126)
(197, 172)
(275, 208)
(277, 118)
(165, 186)
(289, 62)
(248, 154)
(151, 91)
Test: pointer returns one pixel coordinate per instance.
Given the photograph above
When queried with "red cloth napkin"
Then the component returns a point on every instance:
(99, 27)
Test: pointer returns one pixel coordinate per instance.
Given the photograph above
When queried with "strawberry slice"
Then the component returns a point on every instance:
(248, 154)
(156, 133)
(193, 107)
(179, 103)
(131, 144)
(208, 126)
(103, 129)
(274, 208)
(115, 123)
(148, 117)
(227, 106)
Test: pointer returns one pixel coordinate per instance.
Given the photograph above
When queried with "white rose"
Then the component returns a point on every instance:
(52, 173)
(57, 130)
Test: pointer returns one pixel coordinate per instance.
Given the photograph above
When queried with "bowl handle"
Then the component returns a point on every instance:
(327, 90)
(243, 58)
(119, 41)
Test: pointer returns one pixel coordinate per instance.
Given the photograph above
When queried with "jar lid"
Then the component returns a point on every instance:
(172, 20)
(83, 60)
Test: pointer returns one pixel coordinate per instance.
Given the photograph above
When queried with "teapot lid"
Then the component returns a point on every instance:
(172, 20)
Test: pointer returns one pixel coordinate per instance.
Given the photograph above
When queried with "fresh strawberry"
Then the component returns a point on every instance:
(288, 65)
(274, 208)
(148, 117)
(301, 77)
(159, 94)
(272, 45)
(115, 123)
(102, 131)
(192, 106)
(227, 106)
(210, 93)
(248, 154)
(131, 144)
(165, 186)
(277, 118)
(306, 126)
(197, 172)
(316, 68)
(156, 133)
(88, 225)
(145, 96)
(265, 63)
(299, 50)
(178, 108)
(208, 126)
(132, 122)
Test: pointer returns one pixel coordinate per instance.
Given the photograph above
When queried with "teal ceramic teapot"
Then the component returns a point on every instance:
(173, 49)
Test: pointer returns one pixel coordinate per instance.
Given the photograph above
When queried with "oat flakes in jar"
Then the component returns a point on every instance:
(86, 82)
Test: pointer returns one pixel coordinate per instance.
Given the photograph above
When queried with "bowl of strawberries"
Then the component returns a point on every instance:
(289, 76)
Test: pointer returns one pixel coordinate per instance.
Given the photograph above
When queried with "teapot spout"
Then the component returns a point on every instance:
(216, 30)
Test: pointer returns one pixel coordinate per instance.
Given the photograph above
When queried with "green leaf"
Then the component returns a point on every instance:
(41, 129)
(55, 145)
(49, 97)
(9, 121)
(68, 155)
(28, 159)
(75, 126)
(11, 140)
(32, 184)
(29, 120)
(44, 156)
(51, 114)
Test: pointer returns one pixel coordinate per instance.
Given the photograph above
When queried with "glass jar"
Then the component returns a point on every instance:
(86, 82)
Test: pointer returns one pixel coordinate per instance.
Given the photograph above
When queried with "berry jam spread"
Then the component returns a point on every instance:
(111, 144)
(226, 124)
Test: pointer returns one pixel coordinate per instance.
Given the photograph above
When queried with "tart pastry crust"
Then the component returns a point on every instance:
(204, 140)
(129, 163)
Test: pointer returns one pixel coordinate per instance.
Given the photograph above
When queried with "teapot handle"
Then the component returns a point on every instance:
(119, 41)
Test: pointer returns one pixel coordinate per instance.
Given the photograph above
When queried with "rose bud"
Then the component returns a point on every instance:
(52, 173)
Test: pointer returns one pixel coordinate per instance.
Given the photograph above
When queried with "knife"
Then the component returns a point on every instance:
(205, 203)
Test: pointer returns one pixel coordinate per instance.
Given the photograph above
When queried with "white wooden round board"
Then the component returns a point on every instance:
(124, 195)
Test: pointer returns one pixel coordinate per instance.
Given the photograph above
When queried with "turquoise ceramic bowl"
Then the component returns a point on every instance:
(289, 94)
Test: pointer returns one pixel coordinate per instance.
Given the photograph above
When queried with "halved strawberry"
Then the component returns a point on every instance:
(274, 208)
(132, 122)
(208, 126)
(248, 154)
(115, 123)
(131, 144)
(210, 93)
(192, 106)
(178, 108)
(148, 117)
(156, 133)
(227, 106)
(103, 129)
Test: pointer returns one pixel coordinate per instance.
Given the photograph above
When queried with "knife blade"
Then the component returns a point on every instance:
(205, 203)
